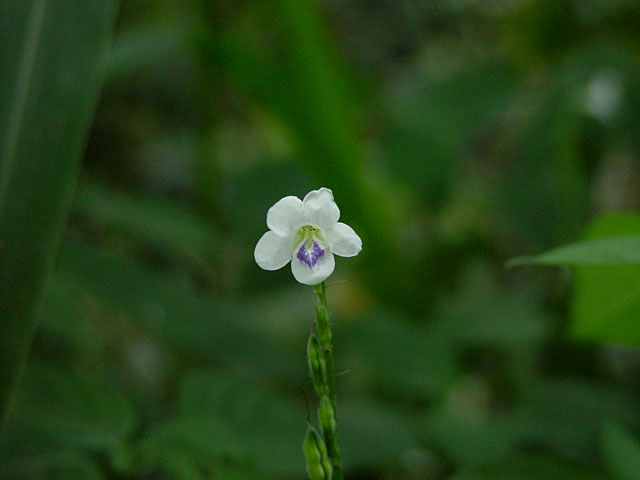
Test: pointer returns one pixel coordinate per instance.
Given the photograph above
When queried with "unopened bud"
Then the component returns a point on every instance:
(322, 319)
(317, 366)
(327, 416)
(315, 454)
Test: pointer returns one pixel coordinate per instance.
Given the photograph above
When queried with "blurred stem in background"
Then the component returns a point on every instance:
(303, 81)
(49, 87)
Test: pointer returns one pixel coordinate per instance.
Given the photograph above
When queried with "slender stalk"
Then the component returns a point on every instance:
(327, 411)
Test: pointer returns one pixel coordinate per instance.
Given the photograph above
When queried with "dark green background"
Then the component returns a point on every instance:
(455, 135)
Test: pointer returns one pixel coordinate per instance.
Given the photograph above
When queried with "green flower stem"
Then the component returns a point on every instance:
(329, 427)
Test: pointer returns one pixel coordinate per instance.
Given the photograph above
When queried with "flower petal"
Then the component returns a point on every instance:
(273, 251)
(316, 274)
(320, 209)
(343, 240)
(286, 215)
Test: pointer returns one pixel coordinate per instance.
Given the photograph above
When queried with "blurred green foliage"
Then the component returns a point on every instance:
(455, 135)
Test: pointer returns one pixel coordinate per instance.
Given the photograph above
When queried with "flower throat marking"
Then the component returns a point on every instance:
(310, 254)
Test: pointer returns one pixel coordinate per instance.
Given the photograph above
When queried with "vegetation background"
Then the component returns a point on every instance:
(455, 135)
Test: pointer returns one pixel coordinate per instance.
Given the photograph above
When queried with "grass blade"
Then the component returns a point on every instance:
(52, 59)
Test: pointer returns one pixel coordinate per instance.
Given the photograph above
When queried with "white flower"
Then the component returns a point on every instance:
(307, 233)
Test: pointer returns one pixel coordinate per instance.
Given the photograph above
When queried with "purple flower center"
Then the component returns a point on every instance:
(310, 256)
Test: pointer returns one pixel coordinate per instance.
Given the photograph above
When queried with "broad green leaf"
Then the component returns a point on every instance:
(621, 452)
(543, 203)
(606, 300)
(565, 415)
(269, 426)
(485, 314)
(372, 433)
(137, 49)
(52, 466)
(170, 228)
(473, 441)
(76, 410)
(67, 320)
(623, 250)
(423, 366)
(529, 468)
(558, 415)
(433, 118)
(186, 447)
(61, 419)
(199, 326)
(52, 59)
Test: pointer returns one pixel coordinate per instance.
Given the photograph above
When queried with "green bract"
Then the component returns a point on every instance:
(317, 366)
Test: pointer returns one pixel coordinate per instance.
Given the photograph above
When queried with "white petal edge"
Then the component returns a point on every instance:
(343, 240)
(273, 251)
(316, 274)
(320, 208)
(286, 215)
